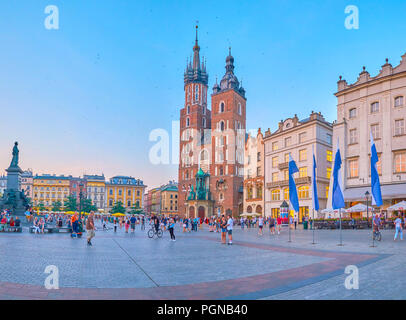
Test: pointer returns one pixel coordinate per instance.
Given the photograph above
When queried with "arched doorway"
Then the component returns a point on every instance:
(258, 209)
(249, 209)
(192, 212)
(201, 212)
(229, 212)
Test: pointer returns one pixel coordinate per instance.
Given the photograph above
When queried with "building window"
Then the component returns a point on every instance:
(302, 137)
(399, 127)
(399, 101)
(275, 176)
(239, 109)
(111, 192)
(303, 192)
(276, 195)
(187, 122)
(110, 203)
(274, 162)
(328, 174)
(303, 172)
(222, 126)
(275, 146)
(128, 203)
(286, 193)
(196, 92)
(288, 141)
(329, 156)
(353, 113)
(400, 162)
(119, 192)
(327, 190)
(329, 139)
(353, 136)
(188, 110)
(258, 156)
(204, 122)
(286, 157)
(353, 168)
(129, 192)
(286, 174)
(374, 107)
(375, 131)
(303, 155)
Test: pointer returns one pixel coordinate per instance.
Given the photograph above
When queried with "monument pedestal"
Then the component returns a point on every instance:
(14, 178)
(13, 198)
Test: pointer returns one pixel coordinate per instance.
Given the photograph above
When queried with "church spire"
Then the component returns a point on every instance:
(196, 57)
(196, 70)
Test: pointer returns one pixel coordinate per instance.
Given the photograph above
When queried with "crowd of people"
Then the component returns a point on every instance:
(8, 222)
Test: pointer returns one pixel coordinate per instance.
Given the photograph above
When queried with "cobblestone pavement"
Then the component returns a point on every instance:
(198, 266)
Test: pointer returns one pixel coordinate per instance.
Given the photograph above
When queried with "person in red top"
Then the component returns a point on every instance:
(279, 223)
(11, 222)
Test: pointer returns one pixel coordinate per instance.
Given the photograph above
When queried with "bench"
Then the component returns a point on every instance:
(11, 229)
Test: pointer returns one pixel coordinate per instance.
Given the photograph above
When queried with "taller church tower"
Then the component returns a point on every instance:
(228, 105)
(194, 119)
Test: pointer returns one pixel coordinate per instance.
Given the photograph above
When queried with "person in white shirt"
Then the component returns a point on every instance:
(398, 226)
(230, 224)
(260, 225)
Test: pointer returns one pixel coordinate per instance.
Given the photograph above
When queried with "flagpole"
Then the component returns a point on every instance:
(341, 236)
(313, 227)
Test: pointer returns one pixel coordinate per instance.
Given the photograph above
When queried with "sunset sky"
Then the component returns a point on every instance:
(83, 99)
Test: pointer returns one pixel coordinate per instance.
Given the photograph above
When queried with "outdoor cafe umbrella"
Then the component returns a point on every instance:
(359, 208)
(401, 206)
(118, 214)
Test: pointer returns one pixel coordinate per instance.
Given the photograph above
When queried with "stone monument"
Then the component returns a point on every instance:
(14, 198)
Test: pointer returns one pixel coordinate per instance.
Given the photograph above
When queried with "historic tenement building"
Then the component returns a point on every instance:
(254, 174)
(212, 140)
(374, 105)
(298, 138)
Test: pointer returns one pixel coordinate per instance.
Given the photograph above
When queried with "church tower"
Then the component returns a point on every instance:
(194, 119)
(227, 142)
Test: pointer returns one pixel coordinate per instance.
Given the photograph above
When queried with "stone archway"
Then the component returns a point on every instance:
(249, 209)
(258, 209)
(191, 212)
(201, 212)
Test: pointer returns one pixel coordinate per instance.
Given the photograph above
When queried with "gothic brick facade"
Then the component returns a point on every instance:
(212, 139)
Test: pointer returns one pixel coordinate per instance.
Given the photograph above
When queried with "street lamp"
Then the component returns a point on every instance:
(367, 198)
(80, 199)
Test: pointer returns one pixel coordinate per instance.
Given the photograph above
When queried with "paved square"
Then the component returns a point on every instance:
(198, 266)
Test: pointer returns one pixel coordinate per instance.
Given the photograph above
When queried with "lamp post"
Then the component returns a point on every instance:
(367, 199)
(80, 199)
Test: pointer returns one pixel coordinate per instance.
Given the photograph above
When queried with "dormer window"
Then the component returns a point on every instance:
(399, 101)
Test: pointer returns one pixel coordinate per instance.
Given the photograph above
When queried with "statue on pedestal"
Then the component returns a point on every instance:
(14, 161)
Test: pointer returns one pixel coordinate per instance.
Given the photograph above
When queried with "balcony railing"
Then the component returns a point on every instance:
(285, 183)
(283, 165)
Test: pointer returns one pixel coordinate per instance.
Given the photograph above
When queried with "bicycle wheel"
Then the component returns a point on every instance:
(379, 236)
(151, 233)
(159, 233)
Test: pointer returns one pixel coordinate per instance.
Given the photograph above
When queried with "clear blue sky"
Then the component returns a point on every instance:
(84, 98)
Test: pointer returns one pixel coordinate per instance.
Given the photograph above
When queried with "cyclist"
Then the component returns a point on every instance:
(156, 223)
(376, 221)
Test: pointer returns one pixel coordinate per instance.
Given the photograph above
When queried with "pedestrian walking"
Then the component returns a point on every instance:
(399, 231)
(230, 224)
(90, 228)
(223, 226)
(171, 229)
(260, 225)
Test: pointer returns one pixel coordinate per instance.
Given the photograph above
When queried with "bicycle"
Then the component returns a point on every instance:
(153, 232)
(377, 235)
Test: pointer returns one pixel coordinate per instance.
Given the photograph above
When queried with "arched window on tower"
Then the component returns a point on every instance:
(204, 122)
(222, 126)
(187, 122)
(239, 108)
(196, 92)
(188, 110)
(222, 107)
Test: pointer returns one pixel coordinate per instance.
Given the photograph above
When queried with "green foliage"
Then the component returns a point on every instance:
(57, 206)
(87, 205)
(41, 206)
(70, 204)
(118, 208)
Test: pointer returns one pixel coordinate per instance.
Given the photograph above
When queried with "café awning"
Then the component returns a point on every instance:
(390, 191)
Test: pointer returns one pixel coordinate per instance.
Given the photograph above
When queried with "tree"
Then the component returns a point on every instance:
(57, 206)
(118, 208)
(88, 206)
(41, 206)
(70, 204)
(136, 210)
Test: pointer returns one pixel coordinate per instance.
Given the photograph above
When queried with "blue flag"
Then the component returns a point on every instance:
(293, 198)
(314, 186)
(375, 184)
(337, 197)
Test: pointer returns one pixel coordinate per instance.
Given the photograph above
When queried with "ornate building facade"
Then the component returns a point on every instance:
(212, 140)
